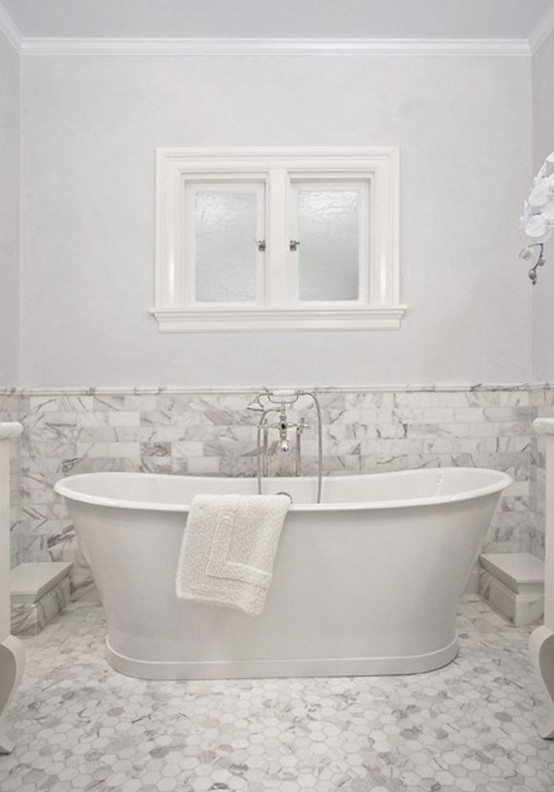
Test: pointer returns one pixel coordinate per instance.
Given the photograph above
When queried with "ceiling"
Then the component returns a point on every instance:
(362, 19)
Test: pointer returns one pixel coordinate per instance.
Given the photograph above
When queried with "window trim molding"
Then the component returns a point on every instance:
(176, 166)
(175, 320)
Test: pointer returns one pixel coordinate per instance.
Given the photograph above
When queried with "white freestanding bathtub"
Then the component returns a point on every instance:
(367, 582)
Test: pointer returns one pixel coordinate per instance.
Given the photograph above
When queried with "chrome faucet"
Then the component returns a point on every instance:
(278, 402)
(284, 429)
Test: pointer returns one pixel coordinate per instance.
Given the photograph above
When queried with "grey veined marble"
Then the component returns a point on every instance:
(469, 727)
(30, 618)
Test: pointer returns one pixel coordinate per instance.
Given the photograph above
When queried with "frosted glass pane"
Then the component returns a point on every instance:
(328, 251)
(225, 235)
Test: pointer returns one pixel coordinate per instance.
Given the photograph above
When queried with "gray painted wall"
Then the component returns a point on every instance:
(90, 127)
(543, 144)
(9, 213)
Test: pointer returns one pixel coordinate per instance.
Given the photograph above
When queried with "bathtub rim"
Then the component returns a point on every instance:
(503, 480)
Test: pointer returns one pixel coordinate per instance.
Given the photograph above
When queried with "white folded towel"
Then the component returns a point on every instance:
(228, 549)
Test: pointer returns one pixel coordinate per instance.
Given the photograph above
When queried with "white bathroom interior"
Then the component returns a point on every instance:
(296, 250)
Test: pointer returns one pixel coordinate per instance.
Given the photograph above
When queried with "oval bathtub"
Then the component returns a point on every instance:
(367, 582)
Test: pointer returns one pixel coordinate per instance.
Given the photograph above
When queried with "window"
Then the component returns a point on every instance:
(277, 238)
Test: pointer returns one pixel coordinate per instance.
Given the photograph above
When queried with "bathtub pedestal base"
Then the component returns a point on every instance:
(268, 669)
(541, 648)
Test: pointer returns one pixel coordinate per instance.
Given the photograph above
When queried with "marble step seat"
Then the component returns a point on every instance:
(513, 584)
(39, 591)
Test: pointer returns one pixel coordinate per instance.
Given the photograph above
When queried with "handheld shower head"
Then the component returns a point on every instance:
(255, 405)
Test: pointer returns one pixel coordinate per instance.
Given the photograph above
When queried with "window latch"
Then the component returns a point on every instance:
(293, 244)
(261, 245)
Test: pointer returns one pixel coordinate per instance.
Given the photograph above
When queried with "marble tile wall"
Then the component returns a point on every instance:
(11, 410)
(542, 406)
(212, 433)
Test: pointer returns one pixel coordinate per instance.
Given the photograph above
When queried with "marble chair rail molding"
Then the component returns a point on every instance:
(206, 431)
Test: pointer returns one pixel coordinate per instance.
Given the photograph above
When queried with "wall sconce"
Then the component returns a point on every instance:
(538, 217)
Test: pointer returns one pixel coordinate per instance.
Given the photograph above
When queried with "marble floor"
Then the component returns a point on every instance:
(469, 727)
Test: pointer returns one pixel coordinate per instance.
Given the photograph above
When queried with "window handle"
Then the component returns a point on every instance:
(261, 245)
(293, 244)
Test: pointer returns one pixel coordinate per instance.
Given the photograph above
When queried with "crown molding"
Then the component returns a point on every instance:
(10, 30)
(542, 31)
(268, 46)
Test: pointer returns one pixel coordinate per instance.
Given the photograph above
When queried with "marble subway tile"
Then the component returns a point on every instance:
(517, 489)
(16, 530)
(92, 450)
(386, 431)
(128, 450)
(154, 418)
(123, 418)
(93, 419)
(332, 400)
(416, 399)
(140, 402)
(228, 446)
(103, 401)
(238, 466)
(60, 403)
(518, 397)
(438, 430)
(164, 464)
(187, 448)
(460, 399)
(500, 414)
(203, 466)
(486, 429)
(155, 449)
(162, 434)
(113, 464)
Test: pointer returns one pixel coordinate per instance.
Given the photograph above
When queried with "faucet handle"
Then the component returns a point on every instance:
(300, 426)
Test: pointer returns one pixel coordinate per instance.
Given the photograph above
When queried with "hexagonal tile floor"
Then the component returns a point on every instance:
(469, 727)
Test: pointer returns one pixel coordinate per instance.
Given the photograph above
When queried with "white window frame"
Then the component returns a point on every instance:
(278, 170)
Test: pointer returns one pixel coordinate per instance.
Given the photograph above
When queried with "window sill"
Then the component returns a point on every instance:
(182, 320)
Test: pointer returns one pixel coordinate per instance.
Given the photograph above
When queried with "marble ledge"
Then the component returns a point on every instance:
(30, 618)
(10, 430)
(156, 390)
(543, 426)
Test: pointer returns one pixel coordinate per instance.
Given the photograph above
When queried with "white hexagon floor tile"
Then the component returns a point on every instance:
(469, 727)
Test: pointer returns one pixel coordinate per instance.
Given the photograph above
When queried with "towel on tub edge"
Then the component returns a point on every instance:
(228, 549)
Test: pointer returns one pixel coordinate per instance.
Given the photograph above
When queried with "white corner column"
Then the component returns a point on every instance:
(12, 652)
(541, 643)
